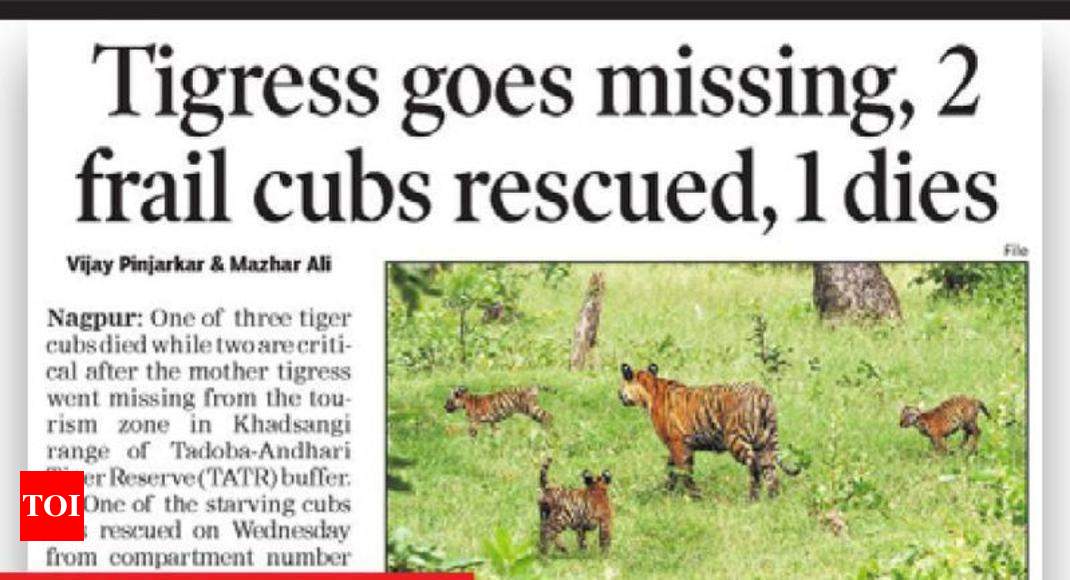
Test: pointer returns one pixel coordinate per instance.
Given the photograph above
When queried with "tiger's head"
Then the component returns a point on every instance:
(636, 387)
(599, 483)
(908, 417)
(456, 399)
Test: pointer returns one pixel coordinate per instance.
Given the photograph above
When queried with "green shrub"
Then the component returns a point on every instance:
(554, 273)
(445, 327)
(403, 554)
(1002, 284)
(508, 558)
(967, 556)
(769, 354)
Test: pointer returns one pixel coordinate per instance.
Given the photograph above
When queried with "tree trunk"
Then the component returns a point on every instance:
(854, 290)
(586, 335)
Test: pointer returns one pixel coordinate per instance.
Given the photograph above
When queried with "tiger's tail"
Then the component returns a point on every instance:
(530, 404)
(540, 415)
(544, 473)
(983, 409)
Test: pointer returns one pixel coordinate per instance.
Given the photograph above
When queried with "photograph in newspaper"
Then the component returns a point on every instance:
(662, 419)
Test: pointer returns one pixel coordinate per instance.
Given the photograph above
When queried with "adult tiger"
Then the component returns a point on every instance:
(739, 418)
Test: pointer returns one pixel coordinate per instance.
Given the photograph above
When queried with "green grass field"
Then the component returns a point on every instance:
(908, 512)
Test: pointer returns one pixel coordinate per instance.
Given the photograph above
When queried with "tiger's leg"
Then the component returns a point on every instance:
(549, 533)
(670, 484)
(689, 478)
(545, 538)
(545, 511)
(683, 465)
(744, 453)
(769, 474)
(768, 455)
(973, 434)
(559, 544)
(473, 428)
(560, 524)
(755, 479)
(966, 435)
(605, 535)
(939, 444)
(581, 538)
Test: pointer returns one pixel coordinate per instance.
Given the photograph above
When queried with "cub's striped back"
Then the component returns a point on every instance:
(493, 408)
(957, 413)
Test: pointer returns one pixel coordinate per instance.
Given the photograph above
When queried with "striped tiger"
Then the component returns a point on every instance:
(738, 418)
(494, 407)
(958, 412)
(581, 510)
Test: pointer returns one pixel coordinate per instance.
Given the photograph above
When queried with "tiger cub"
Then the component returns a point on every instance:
(494, 407)
(581, 510)
(947, 418)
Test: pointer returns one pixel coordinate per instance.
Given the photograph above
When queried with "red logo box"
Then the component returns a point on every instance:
(51, 506)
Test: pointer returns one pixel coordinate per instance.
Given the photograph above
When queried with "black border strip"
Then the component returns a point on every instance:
(536, 10)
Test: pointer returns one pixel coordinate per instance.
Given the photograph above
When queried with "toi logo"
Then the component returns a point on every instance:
(50, 506)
